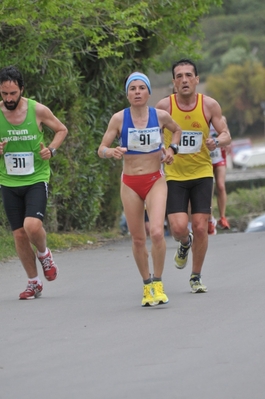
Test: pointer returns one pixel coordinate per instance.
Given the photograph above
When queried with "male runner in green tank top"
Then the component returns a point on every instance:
(25, 173)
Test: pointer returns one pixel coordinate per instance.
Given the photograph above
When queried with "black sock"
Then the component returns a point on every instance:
(195, 275)
(187, 243)
(148, 281)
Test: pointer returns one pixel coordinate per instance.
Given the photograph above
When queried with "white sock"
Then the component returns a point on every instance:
(31, 280)
(41, 254)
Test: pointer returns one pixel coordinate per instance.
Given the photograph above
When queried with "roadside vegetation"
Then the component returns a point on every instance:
(74, 57)
(61, 241)
(242, 206)
(231, 63)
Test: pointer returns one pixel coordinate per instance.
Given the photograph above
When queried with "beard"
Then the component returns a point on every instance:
(12, 105)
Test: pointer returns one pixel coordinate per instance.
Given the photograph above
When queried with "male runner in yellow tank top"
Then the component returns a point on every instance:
(190, 176)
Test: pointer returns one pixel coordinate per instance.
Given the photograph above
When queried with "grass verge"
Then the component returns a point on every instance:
(60, 242)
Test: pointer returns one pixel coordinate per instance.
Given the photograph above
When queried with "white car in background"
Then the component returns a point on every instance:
(257, 224)
(249, 158)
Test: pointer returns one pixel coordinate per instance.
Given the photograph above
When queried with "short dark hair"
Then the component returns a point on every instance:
(11, 74)
(184, 61)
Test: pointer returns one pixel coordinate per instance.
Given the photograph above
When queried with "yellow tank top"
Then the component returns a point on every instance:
(193, 160)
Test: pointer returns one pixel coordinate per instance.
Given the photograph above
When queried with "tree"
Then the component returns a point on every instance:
(238, 23)
(74, 55)
(239, 90)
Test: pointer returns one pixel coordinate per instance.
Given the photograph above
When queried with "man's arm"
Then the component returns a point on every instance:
(46, 117)
(164, 104)
(170, 124)
(167, 122)
(219, 123)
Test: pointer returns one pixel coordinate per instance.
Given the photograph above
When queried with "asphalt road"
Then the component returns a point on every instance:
(88, 337)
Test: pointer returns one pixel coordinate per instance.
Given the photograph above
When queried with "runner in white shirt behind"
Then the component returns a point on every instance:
(218, 157)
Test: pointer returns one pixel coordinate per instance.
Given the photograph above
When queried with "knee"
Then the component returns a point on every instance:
(32, 227)
(138, 241)
(220, 188)
(179, 232)
(20, 234)
(200, 230)
(156, 236)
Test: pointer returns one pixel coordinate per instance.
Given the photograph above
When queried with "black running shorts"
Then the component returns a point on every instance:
(197, 192)
(26, 201)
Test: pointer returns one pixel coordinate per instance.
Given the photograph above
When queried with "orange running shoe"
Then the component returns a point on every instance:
(223, 224)
(212, 227)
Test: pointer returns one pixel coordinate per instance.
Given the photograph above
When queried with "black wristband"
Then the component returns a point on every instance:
(174, 147)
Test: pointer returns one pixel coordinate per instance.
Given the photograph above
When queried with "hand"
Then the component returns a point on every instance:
(118, 152)
(45, 153)
(167, 156)
(2, 145)
(210, 144)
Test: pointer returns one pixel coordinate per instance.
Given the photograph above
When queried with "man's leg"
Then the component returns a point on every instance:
(25, 252)
(37, 236)
(36, 233)
(220, 173)
(180, 231)
(200, 241)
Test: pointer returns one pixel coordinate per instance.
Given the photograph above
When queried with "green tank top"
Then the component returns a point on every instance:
(21, 163)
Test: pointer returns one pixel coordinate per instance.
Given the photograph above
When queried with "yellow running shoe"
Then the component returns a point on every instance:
(148, 297)
(181, 255)
(159, 294)
(196, 284)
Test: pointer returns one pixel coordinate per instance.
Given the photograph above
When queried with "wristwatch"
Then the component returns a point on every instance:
(216, 142)
(174, 147)
(53, 151)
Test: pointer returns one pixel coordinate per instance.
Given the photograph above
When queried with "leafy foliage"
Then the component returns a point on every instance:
(75, 55)
(238, 23)
(240, 91)
(233, 50)
(243, 202)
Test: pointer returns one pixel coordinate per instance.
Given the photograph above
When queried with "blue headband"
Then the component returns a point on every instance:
(138, 76)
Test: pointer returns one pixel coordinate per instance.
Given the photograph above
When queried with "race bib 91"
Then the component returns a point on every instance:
(144, 140)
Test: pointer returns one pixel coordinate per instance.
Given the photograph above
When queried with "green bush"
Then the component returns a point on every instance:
(7, 246)
(242, 206)
(3, 219)
(246, 202)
